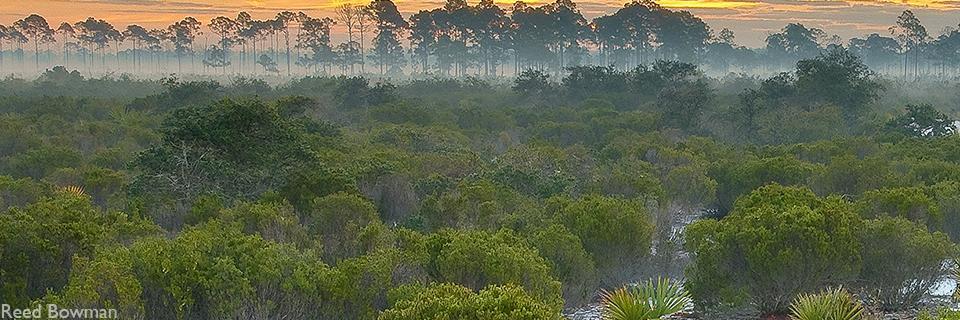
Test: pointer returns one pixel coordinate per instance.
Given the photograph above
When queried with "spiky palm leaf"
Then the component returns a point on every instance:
(666, 297)
(836, 304)
(75, 190)
(621, 304)
(650, 300)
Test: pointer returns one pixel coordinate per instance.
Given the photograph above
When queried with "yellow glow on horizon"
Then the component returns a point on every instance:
(936, 4)
(696, 4)
(143, 11)
(751, 17)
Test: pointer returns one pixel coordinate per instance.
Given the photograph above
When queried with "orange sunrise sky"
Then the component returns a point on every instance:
(752, 20)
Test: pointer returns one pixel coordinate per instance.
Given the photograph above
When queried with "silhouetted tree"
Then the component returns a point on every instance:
(838, 77)
(139, 36)
(422, 37)
(610, 36)
(726, 36)
(876, 51)
(315, 37)
(35, 28)
(681, 35)
(182, 34)
(268, 64)
(97, 32)
(492, 33)
(160, 37)
(347, 55)
(912, 35)
(640, 20)
(453, 39)
(349, 16)
(721, 52)
(945, 50)
(387, 50)
(226, 29)
(794, 42)
(364, 24)
(570, 28)
(532, 36)
(256, 31)
(4, 36)
(283, 21)
(17, 38)
(66, 31)
(215, 57)
(245, 33)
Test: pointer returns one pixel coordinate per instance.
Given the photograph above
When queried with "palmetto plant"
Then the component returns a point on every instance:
(650, 300)
(836, 304)
(74, 190)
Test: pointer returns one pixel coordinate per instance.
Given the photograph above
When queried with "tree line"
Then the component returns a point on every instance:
(455, 40)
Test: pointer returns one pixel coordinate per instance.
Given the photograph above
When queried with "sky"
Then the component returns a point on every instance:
(751, 20)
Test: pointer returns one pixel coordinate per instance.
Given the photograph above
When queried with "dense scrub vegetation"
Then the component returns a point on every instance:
(463, 198)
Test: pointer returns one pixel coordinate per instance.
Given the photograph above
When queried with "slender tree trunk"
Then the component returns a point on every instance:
(223, 48)
(362, 53)
(916, 64)
(117, 52)
(66, 55)
(905, 65)
(286, 39)
(193, 55)
(36, 53)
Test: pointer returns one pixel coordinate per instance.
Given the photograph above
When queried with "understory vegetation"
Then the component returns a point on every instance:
(438, 198)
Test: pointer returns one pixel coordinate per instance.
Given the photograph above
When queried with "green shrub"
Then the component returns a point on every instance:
(400, 113)
(796, 124)
(41, 161)
(20, 192)
(477, 205)
(690, 187)
(947, 197)
(272, 221)
(39, 241)
(451, 301)
(204, 208)
(910, 203)
(107, 281)
(850, 175)
(626, 178)
(476, 259)
(339, 222)
(213, 270)
(569, 262)
(940, 314)
(777, 243)
(739, 177)
(617, 233)
(901, 262)
(361, 285)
